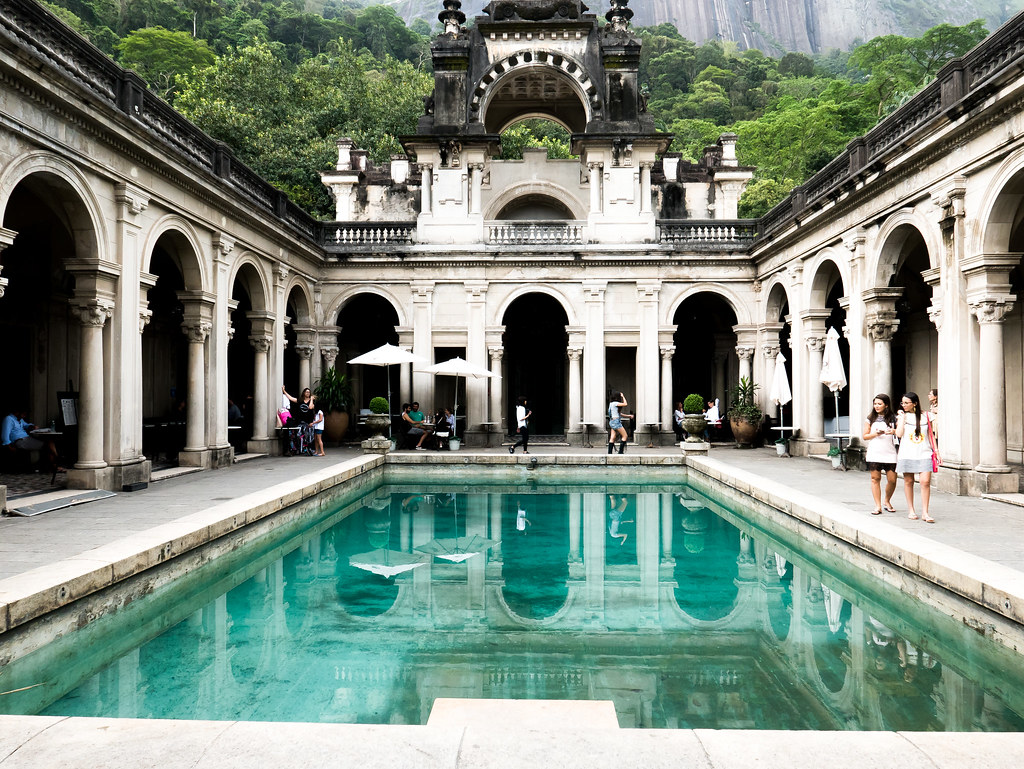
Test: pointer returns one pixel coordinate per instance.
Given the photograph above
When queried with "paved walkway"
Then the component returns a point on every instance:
(981, 527)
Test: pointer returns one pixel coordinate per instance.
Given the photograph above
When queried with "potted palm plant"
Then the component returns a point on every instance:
(693, 418)
(744, 413)
(333, 392)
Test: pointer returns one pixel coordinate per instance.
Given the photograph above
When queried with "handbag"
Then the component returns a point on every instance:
(931, 440)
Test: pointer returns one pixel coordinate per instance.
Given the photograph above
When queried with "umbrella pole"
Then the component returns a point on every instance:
(387, 375)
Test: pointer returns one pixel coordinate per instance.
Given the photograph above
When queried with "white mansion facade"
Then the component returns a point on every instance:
(624, 267)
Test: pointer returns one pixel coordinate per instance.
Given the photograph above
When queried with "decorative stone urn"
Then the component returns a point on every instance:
(694, 424)
(377, 443)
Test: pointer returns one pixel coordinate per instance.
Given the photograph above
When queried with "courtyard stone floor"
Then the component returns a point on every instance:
(978, 528)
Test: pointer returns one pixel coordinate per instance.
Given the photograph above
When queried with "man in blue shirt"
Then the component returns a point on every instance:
(14, 435)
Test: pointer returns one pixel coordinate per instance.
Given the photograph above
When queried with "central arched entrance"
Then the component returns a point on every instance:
(535, 343)
(705, 362)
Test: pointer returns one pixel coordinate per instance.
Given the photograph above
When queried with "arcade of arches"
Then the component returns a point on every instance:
(155, 289)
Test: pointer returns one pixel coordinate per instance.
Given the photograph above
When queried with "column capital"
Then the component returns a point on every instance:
(3, 283)
(222, 246)
(329, 353)
(881, 326)
(304, 351)
(744, 352)
(574, 353)
(593, 290)
(935, 313)
(92, 311)
(771, 350)
(134, 200)
(196, 330)
(992, 309)
(648, 290)
(422, 291)
(668, 351)
(476, 290)
(815, 343)
(145, 316)
(261, 342)
(496, 352)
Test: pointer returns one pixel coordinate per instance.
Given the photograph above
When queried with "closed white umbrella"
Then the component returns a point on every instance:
(458, 367)
(780, 392)
(387, 355)
(833, 376)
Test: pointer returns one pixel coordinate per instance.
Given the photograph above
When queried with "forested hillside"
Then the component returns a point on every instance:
(280, 82)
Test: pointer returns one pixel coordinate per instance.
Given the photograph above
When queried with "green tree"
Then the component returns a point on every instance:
(160, 56)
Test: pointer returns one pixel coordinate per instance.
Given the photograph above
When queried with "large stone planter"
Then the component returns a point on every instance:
(694, 425)
(335, 426)
(377, 443)
(744, 430)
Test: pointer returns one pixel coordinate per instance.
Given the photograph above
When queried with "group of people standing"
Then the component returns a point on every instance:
(305, 422)
(902, 441)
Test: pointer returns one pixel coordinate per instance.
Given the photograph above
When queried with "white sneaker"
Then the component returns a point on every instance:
(420, 448)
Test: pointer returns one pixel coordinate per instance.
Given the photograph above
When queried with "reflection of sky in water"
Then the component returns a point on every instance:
(651, 600)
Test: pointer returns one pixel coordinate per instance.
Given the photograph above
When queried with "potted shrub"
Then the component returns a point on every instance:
(781, 446)
(836, 456)
(333, 392)
(378, 419)
(693, 418)
(744, 413)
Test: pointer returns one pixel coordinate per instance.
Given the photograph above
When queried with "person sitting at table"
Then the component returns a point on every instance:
(444, 427)
(417, 426)
(15, 437)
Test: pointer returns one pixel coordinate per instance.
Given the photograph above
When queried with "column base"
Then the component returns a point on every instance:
(376, 446)
(806, 447)
(695, 448)
(270, 446)
(953, 479)
(92, 478)
(194, 458)
(130, 472)
(222, 456)
(982, 482)
(3, 499)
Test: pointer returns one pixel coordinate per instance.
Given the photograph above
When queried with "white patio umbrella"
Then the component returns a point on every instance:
(387, 563)
(832, 374)
(387, 355)
(780, 392)
(458, 367)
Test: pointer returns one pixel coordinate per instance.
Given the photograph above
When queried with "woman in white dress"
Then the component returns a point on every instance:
(917, 444)
(879, 429)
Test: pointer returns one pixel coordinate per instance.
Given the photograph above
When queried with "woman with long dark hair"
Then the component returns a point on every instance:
(523, 415)
(915, 456)
(616, 401)
(879, 429)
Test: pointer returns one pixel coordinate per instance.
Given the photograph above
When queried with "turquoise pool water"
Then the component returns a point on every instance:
(666, 603)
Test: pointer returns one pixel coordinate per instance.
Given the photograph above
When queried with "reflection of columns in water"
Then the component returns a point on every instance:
(648, 534)
(594, 525)
(494, 502)
(405, 532)
(128, 685)
(476, 515)
(422, 533)
(667, 507)
(575, 526)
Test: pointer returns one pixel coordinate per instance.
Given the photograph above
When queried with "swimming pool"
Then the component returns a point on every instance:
(679, 609)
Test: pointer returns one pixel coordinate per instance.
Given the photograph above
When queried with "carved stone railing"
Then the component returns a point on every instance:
(521, 233)
(369, 233)
(708, 234)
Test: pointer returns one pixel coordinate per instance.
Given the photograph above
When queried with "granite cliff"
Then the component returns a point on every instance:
(777, 26)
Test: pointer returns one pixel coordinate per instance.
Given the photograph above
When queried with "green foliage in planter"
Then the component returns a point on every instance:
(694, 404)
(379, 405)
(743, 405)
(333, 391)
(834, 451)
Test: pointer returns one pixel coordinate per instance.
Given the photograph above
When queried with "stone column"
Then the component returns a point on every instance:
(197, 329)
(596, 174)
(594, 386)
(746, 355)
(814, 430)
(423, 338)
(770, 350)
(261, 343)
(667, 386)
(881, 328)
(328, 354)
(92, 313)
(6, 239)
(497, 388)
(992, 383)
(426, 183)
(476, 184)
(575, 416)
(647, 412)
(305, 353)
(645, 188)
(475, 407)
